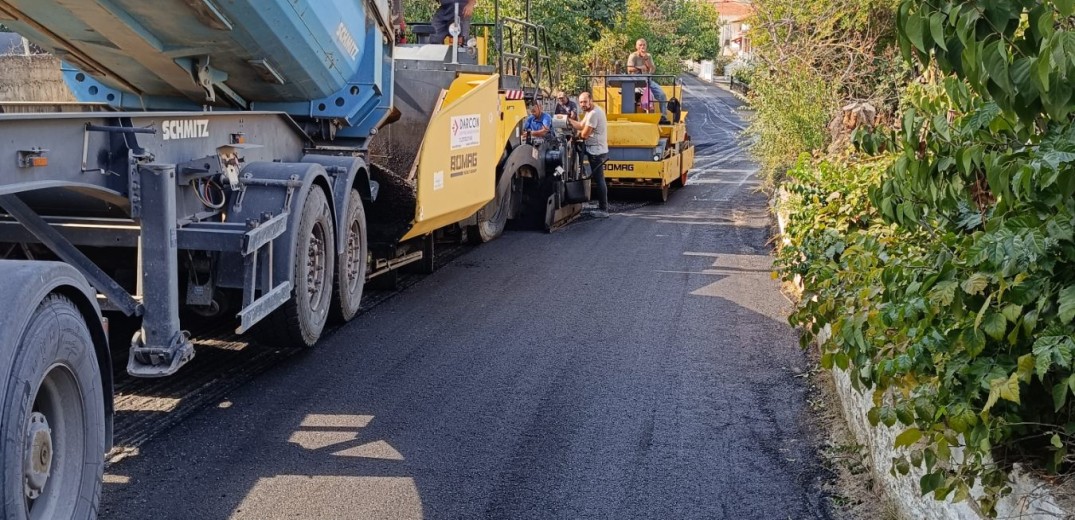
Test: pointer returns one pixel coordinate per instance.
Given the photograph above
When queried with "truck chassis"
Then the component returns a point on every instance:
(265, 210)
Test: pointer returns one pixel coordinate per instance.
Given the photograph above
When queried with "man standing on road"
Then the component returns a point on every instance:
(593, 129)
(538, 124)
(641, 62)
(445, 17)
(565, 106)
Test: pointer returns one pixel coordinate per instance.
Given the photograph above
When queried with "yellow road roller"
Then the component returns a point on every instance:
(644, 151)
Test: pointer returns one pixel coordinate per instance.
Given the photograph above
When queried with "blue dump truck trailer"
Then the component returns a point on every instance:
(218, 166)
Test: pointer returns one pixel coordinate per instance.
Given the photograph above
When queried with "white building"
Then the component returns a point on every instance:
(734, 37)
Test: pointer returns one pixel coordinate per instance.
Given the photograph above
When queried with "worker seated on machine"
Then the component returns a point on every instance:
(537, 125)
(641, 62)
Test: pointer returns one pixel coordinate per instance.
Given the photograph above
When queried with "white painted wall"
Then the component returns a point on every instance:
(706, 70)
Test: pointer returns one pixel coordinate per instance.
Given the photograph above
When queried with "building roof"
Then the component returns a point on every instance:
(733, 10)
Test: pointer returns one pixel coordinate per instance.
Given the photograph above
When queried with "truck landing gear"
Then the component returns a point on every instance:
(53, 418)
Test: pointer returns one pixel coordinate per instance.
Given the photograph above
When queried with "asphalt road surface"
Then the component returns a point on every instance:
(634, 367)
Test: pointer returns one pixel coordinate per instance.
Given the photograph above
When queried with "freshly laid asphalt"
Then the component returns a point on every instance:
(634, 367)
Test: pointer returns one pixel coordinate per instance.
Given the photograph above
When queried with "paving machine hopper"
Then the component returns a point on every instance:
(476, 180)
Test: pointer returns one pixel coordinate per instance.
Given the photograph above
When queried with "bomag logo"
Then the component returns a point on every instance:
(184, 129)
(462, 162)
(614, 167)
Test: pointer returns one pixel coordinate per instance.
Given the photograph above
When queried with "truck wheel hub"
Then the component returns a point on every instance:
(354, 251)
(38, 455)
(315, 264)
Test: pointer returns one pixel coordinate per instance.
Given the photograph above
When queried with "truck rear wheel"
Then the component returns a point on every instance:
(351, 276)
(300, 320)
(53, 419)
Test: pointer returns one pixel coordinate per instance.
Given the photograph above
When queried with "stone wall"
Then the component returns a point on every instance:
(32, 78)
(1030, 499)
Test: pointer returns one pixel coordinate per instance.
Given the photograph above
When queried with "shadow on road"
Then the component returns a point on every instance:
(633, 367)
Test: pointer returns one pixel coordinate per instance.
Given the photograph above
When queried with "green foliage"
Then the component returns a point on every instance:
(675, 30)
(588, 37)
(950, 289)
(813, 57)
(796, 124)
(697, 31)
(573, 26)
(888, 314)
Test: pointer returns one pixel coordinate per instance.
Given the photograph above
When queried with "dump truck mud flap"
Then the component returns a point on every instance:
(268, 190)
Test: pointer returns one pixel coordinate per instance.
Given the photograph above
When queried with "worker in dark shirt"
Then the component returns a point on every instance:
(445, 16)
(564, 106)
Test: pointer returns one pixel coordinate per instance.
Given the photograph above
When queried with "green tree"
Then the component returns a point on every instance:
(595, 36)
(697, 30)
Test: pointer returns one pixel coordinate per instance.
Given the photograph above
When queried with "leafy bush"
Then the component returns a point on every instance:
(794, 125)
(742, 68)
(951, 289)
(720, 65)
(813, 57)
(888, 307)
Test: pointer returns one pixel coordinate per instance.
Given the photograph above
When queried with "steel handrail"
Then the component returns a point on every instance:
(522, 50)
(677, 84)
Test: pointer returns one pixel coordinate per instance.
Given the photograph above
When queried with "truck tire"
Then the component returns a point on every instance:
(351, 275)
(300, 320)
(53, 418)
